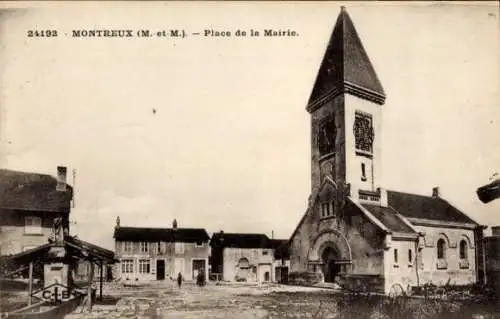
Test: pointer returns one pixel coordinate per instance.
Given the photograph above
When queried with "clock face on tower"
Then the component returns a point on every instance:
(326, 136)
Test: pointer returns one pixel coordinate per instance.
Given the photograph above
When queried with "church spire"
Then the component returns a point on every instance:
(345, 68)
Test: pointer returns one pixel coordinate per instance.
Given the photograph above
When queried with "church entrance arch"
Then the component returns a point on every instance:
(330, 250)
(331, 266)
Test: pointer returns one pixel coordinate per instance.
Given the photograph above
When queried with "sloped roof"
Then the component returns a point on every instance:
(75, 247)
(388, 217)
(346, 66)
(426, 207)
(185, 235)
(238, 240)
(32, 191)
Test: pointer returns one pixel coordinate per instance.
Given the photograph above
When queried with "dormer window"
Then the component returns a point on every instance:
(326, 209)
(363, 132)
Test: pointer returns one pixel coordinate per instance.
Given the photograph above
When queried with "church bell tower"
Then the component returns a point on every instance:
(345, 108)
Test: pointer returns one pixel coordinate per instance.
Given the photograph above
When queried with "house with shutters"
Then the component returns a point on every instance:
(355, 232)
(29, 204)
(160, 253)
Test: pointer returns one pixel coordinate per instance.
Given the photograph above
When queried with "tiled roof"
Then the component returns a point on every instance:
(186, 235)
(388, 217)
(346, 64)
(236, 240)
(32, 191)
(426, 207)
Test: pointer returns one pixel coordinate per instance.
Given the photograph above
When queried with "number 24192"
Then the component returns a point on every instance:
(41, 33)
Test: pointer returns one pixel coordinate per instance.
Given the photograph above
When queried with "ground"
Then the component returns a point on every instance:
(241, 300)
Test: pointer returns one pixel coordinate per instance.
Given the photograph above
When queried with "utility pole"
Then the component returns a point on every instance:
(74, 179)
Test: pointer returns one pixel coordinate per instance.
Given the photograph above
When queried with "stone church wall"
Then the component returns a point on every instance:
(365, 240)
(454, 270)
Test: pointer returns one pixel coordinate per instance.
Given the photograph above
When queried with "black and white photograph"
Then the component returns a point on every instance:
(250, 159)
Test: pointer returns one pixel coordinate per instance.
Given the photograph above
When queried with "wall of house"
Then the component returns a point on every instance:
(400, 273)
(454, 270)
(13, 236)
(175, 261)
(260, 258)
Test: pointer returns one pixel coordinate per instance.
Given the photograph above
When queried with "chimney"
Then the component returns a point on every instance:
(174, 224)
(383, 197)
(435, 192)
(118, 222)
(61, 178)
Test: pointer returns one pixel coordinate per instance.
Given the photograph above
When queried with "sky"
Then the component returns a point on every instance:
(228, 147)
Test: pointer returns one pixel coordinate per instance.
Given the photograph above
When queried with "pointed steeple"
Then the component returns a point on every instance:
(345, 68)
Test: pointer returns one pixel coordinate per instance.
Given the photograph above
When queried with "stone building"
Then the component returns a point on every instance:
(247, 257)
(355, 232)
(492, 256)
(29, 204)
(159, 253)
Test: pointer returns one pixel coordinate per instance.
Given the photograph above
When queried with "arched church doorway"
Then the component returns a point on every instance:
(331, 268)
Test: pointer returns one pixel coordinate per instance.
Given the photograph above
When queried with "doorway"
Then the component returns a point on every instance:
(330, 266)
(198, 267)
(160, 269)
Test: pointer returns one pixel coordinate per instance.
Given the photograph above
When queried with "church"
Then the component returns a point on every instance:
(354, 232)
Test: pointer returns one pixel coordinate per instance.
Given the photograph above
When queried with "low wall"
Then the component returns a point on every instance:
(364, 283)
(304, 278)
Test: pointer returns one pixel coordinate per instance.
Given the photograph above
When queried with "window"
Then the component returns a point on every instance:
(326, 209)
(158, 247)
(179, 248)
(326, 136)
(363, 132)
(144, 266)
(441, 254)
(463, 249)
(144, 247)
(243, 263)
(199, 243)
(410, 256)
(127, 266)
(463, 263)
(265, 252)
(32, 225)
(127, 247)
(395, 256)
(363, 172)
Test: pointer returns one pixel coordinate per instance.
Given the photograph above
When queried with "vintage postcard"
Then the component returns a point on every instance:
(249, 159)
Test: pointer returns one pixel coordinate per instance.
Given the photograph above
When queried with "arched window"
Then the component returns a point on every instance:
(441, 249)
(463, 249)
(243, 263)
